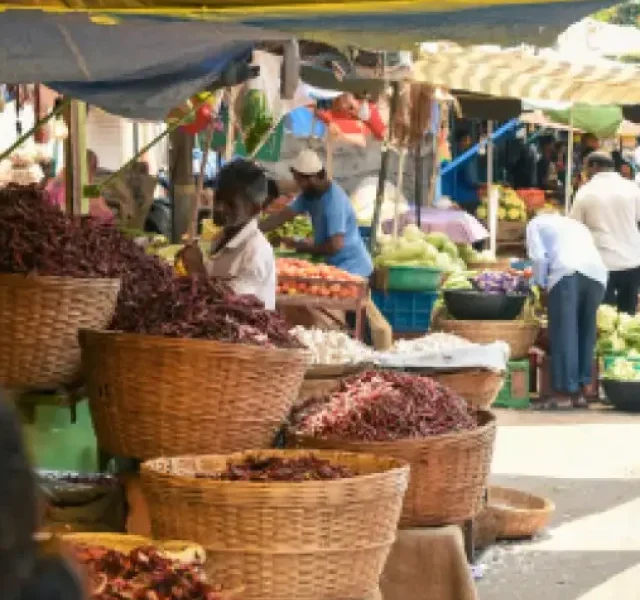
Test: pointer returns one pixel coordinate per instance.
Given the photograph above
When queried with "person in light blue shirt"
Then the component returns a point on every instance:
(567, 266)
(336, 237)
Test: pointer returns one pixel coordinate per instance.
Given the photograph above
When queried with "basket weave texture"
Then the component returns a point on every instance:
(40, 318)
(479, 387)
(152, 396)
(448, 472)
(519, 334)
(312, 540)
(516, 514)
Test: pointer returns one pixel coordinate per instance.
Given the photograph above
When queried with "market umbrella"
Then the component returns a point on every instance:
(374, 24)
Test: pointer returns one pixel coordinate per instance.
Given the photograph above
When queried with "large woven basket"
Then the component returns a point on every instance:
(39, 320)
(320, 380)
(519, 334)
(516, 514)
(311, 540)
(154, 396)
(448, 472)
(479, 387)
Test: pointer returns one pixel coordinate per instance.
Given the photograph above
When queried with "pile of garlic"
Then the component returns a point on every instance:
(333, 347)
(432, 343)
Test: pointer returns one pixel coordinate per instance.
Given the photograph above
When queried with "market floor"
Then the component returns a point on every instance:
(588, 463)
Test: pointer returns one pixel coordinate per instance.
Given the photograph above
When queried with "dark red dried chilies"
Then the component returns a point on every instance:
(37, 238)
(385, 405)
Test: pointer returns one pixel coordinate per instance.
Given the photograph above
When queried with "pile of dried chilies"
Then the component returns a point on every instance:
(37, 238)
(384, 406)
(275, 468)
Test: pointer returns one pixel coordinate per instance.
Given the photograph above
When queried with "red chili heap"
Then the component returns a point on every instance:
(382, 406)
(143, 574)
(36, 238)
(275, 468)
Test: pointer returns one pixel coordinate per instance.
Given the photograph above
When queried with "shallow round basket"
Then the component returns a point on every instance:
(187, 553)
(40, 318)
(520, 335)
(152, 396)
(479, 387)
(472, 305)
(516, 514)
(448, 472)
(622, 395)
(309, 540)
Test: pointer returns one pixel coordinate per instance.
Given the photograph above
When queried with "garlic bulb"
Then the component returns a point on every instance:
(333, 347)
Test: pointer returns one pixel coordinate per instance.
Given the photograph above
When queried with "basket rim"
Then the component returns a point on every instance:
(35, 277)
(490, 423)
(548, 505)
(195, 343)
(399, 466)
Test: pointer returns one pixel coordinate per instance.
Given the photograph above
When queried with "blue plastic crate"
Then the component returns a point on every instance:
(406, 312)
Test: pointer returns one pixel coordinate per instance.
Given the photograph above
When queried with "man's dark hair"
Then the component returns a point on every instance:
(600, 160)
(546, 140)
(462, 133)
(244, 180)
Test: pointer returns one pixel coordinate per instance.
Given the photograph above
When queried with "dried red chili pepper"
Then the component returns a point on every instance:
(385, 405)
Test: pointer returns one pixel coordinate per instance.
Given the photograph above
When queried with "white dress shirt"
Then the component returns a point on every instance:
(609, 205)
(559, 246)
(249, 259)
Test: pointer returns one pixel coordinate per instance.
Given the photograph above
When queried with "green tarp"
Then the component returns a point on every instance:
(602, 121)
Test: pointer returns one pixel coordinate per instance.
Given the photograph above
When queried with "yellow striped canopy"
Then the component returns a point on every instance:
(522, 74)
(371, 24)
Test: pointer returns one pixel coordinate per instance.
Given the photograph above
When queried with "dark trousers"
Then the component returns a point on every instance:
(622, 290)
(572, 306)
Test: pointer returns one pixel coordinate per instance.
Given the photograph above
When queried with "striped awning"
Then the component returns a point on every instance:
(519, 73)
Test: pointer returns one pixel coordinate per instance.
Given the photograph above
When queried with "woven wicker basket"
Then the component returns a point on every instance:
(320, 380)
(153, 396)
(479, 387)
(40, 318)
(448, 472)
(313, 540)
(519, 334)
(516, 514)
(187, 553)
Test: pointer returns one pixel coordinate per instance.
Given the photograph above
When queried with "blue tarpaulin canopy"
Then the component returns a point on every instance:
(131, 66)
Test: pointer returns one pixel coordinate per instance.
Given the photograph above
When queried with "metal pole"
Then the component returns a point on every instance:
(384, 168)
(568, 184)
(493, 203)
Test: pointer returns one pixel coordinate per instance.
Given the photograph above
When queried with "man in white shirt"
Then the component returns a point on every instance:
(609, 205)
(241, 252)
(567, 265)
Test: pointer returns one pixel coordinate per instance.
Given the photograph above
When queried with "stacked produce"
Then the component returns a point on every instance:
(417, 249)
(510, 206)
(277, 468)
(142, 574)
(430, 344)
(332, 347)
(299, 227)
(491, 282)
(296, 276)
(36, 238)
(623, 369)
(383, 406)
(618, 333)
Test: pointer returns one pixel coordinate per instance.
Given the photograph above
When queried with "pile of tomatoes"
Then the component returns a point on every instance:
(296, 276)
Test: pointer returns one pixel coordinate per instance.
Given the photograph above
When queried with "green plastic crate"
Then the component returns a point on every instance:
(515, 391)
(414, 279)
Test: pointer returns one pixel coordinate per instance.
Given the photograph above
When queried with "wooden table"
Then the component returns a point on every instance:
(357, 305)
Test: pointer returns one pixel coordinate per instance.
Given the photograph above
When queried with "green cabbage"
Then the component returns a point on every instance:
(607, 318)
(622, 369)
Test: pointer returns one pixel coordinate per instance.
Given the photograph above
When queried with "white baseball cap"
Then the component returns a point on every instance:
(307, 163)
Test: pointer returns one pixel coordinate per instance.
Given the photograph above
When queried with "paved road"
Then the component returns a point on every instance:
(589, 465)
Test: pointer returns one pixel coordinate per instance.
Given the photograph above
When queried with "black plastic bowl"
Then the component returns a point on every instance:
(471, 305)
(623, 395)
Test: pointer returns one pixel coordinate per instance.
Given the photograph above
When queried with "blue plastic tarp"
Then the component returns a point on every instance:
(135, 67)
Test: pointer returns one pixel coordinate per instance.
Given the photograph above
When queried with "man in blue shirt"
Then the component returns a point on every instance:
(568, 268)
(336, 236)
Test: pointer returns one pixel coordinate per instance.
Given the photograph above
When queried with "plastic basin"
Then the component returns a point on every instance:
(414, 279)
(471, 305)
(623, 395)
